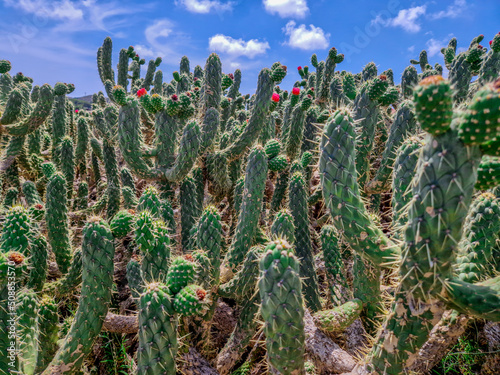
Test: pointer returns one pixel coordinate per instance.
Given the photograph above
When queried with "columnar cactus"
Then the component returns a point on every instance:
(98, 252)
(303, 245)
(282, 308)
(56, 215)
(253, 193)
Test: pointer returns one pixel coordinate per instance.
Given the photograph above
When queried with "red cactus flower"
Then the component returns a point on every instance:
(76, 110)
(312, 88)
(283, 67)
(174, 98)
(201, 294)
(309, 96)
(141, 92)
(491, 42)
(188, 94)
(195, 79)
(296, 91)
(38, 206)
(479, 46)
(299, 68)
(275, 98)
(231, 75)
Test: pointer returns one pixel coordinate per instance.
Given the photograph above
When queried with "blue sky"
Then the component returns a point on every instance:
(57, 40)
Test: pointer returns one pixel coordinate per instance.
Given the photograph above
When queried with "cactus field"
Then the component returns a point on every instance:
(349, 224)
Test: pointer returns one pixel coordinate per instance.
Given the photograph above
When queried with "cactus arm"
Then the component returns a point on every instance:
(282, 308)
(342, 196)
(403, 125)
(303, 245)
(187, 155)
(98, 251)
(403, 172)
(37, 116)
(48, 323)
(479, 254)
(253, 193)
(56, 215)
(460, 76)
(28, 331)
(481, 300)
(157, 352)
(336, 320)
(256, 122)
(244, 281)
(69, 282)
(38, 263)
(131, 142)
(209, 129)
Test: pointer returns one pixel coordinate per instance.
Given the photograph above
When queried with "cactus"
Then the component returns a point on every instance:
(134, 278)
(98, 251)
(334, 265)
(403, 172)
(38, 264)
(404, 125)
(28, 331)
(253, 193)
(347, 209)
(48, 320)
(156, 353)
(282, 308)
(17, 232)
(303, 246)
(68, 163)
(69, 282)
(478, 253)
(56, 215)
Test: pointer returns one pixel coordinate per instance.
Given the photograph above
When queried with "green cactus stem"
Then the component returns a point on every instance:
(282, 308)
(341, 192)
(257, 119)
(303, 245)
(404, 125)
(97, 279)
(158, 332)
(336, 320)
(251, 206)
(56, 215)
(48, 321)
(27, 331)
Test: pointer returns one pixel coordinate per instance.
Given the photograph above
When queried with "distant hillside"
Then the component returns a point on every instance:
(83, 102)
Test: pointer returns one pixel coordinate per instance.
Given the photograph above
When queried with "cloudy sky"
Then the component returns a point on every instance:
(57, 40)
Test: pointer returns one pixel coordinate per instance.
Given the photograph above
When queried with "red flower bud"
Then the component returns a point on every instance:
(296, 91)
(174, 98)
(275, 98)
(299, 68)
(141, 92)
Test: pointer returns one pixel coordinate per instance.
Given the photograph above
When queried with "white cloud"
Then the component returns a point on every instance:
(453, 10)
(287, 8)
(306, 39)
(144, 52)
(411, 49)
(62, 10)
(205, 6)
(406, 19)
(409, 19)
(159, 29)
(434, 46)
(237, 47)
